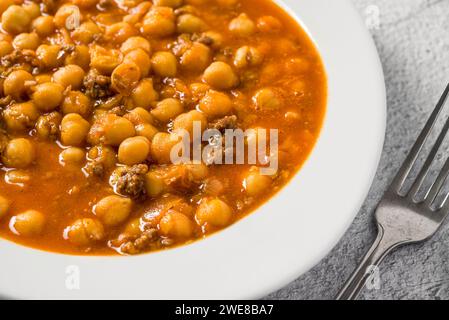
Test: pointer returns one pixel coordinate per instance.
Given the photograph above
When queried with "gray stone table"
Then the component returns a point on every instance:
(412, 38)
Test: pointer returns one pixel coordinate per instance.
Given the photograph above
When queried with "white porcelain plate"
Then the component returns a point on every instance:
(284, 238)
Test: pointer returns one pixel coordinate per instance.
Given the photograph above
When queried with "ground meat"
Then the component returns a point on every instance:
(66, 50)
(130, 181)
(136, 245)
(48, 124)
(48, 6)
(228, 122)
(95, 168)
(106, 4)
(21, 59)
(4, 101)
(96, 85)
(3, 141)
(206, 40)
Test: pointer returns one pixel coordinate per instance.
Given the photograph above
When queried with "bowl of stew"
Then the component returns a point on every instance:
(94, 96)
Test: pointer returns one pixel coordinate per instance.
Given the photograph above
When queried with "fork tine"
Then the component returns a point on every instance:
(438, 184)
(428, 163)
(407, 166)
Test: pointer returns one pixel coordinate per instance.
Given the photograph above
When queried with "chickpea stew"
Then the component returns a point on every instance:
(93, 94)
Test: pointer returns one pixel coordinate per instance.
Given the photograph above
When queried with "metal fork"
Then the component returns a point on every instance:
(400, 219)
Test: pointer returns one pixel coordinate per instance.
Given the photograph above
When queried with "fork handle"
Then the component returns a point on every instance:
(380, 248)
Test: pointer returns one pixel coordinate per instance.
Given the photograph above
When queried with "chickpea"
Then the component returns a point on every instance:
(19, 153)
(29, 223)
(247, 57)
(146, 130)
(187, 120)
(161, 146)
(84, 232)
(49, 55)
(111, 130)
(47, 125)
(77, 102)
(154, 184)
(267, 99)
(87, 32)
(139, 116)
(105, 61)
(85, 3)
(141, 59)
(188, 23)
(269, 24)
(216, 104)
(199, 90)
(20, 116)
(74, 130)
(26, 41)
(4, 206)
(197, 58)
(176, 225)
(242, 26)
(144, 94)
(15, 20)
(138, 11)
(164, 64)
(159, 22)
(113, 210)
(4, 4)
(32, 9)
(80, 56)
(43, 26)
(132, 228)
(167, 109)
(72, 156)
(213, 212)
(42, 78)
(220, 76)
(125, 78)
(136, 43)
(134, 150)
(5, 48)
(168, 3)
(48, 96)
(64, 14)
(15, 84)
(119, 32)
(71, 75)
(256, 184)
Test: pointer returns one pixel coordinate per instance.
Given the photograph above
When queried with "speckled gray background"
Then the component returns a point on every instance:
(413, 44)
